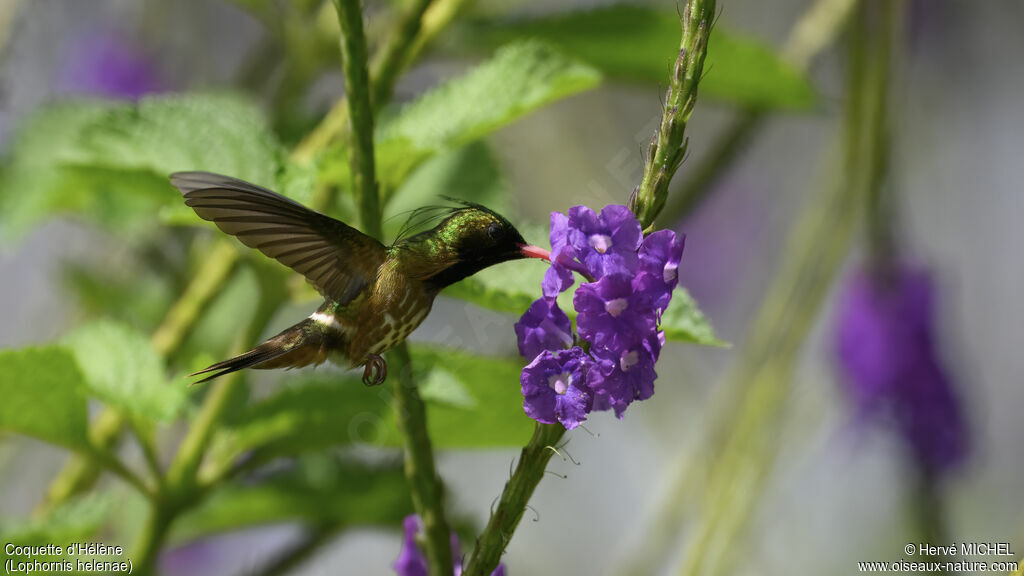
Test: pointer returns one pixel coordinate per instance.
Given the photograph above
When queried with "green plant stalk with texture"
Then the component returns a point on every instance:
(421, 471)
(668, 147)
(648, 202)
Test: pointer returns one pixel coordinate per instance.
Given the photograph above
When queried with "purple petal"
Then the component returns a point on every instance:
(410, 560)
(543, 327)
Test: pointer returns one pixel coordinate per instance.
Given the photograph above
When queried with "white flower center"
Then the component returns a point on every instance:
(628, 360)
(560, 382)
(601, 243)
(669, 273)
(616, 306)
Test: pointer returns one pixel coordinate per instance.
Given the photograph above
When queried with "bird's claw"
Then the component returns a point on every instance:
(375, 370)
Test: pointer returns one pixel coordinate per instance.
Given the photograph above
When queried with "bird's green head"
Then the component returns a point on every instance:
(471, 238)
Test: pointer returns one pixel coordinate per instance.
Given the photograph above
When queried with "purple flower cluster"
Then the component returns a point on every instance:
(410, 560)
(630, 282)
(886, 348)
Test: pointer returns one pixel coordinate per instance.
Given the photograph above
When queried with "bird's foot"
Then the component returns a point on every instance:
(375, 370)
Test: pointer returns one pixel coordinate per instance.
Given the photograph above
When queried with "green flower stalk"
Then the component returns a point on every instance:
(360, 111)
(667, 149)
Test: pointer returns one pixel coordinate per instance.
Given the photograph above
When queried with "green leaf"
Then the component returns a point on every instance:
(307, 413)
(320, 490)
(109, 162)
(77, 520)
(468, 173)
(684, 322)
(124, 371)
(517, 80)
(510, 287)
(473, 401)
(640, 43)
(43, 396)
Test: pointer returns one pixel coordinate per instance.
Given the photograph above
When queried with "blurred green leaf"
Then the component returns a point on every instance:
(132, 290)
(41, 395)
(467, 173)
(77, 520)
(320, 490)
(472, 401)
(109, 162)
(517, 80)
(684, 322)
(640, 43)
(307, 413)
(510, 288)
(124, 371)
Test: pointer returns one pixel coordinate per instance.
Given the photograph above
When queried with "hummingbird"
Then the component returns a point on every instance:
(374, 295)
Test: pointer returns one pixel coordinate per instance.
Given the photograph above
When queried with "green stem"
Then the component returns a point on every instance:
(154, 532)
(181, 475)
(360, 112)
(668, 147)
(392, 59)
(435, 20)
(335, 123)
(420, 470)
(506, 516)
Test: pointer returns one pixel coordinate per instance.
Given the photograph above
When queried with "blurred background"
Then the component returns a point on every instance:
(838, 486)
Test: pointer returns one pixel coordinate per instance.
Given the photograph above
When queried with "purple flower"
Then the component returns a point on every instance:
(555, 387)
(604, 243)
(620, 377)
(543, 327)
(107, 64)
(630, 282)
(612, 314)
(659, 255)
(886, 350)
(411, 561)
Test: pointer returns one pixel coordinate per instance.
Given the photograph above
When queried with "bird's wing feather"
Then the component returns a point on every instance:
(337, 259)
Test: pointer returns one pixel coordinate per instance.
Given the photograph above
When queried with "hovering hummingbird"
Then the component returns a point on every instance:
(374, 295)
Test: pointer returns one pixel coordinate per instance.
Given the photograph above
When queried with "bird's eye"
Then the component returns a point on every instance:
(495, 231)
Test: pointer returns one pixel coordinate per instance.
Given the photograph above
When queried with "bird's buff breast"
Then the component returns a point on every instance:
(395, 308)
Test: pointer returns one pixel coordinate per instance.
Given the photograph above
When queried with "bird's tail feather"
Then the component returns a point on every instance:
(300, 345)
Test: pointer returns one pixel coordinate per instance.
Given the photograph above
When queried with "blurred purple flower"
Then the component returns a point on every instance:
(885, 345)
(411, 561)
(555, 387)
(107, 64)
(543, 327)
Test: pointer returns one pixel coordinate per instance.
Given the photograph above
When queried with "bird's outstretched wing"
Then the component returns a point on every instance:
(337, 259)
